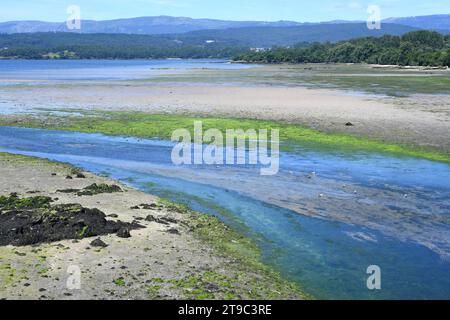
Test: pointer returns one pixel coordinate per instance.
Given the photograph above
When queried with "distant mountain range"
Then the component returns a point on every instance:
(264, 37)
(434, 22)
(142, 25)
(179, 25)
(244, 37)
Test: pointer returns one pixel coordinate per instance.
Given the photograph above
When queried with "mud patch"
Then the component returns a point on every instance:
(27, 221)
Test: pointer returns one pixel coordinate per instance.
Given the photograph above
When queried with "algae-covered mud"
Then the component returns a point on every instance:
(144, 125)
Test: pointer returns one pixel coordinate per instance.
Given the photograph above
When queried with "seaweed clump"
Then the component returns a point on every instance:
(93, 189)
(28, 221)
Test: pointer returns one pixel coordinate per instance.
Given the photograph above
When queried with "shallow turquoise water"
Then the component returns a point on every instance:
(375, 209)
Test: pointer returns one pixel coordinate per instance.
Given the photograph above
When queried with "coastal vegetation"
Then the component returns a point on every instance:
(418, 48)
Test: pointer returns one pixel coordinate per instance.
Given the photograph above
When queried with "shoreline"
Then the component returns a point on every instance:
(205, 260)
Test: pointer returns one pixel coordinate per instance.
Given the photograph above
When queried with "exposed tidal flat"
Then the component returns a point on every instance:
(403, 106)
(203, 259)
(364, 173)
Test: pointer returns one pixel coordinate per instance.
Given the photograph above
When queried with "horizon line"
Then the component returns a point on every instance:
(214, 19)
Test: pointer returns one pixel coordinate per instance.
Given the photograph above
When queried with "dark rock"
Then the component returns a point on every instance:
(150, 218)
(173, 231)
(112, 215)
(69, 177)
(212, 287)
(98, 243)
(68, 190)
(136, 225)
(35, 220)
(169, 220)
(80, 176)
(163, 220)
(94, 189)
(135, 208)
(151, 206)
(124, 233)
(349, 124)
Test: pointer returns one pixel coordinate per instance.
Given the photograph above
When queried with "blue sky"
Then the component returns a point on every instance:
(269, 10)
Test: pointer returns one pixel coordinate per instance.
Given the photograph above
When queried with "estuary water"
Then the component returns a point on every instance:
(66, 70)
(321, 221)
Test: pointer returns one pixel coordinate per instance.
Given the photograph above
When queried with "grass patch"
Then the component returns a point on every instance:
(7, 275)
(62, 167)
(119, 282)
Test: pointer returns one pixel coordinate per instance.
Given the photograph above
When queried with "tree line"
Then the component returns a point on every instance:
(106, 52)
(418, 48)
(109, 46)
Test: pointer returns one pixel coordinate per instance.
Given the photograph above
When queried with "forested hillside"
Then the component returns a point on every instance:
(413, 48)
(419, 48)
(288, 36)
(109, 46)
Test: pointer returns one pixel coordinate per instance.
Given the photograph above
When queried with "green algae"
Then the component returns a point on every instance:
(162, 126)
